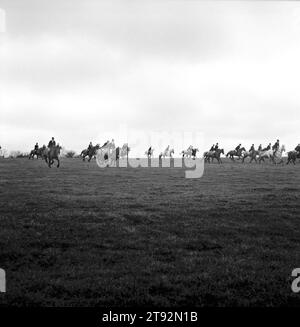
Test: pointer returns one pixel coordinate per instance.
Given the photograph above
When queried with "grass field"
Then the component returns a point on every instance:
(84, 236)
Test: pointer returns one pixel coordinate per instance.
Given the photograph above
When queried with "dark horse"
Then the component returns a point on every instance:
(234, 153)
(89, 152)
(214, 155)
(38, 153)
(54, 153)
(292, 157)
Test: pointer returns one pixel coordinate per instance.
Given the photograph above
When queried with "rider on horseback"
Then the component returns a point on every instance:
(212, 148)
(51, 143)
(259, 148)
(252, 148)
(237, 149)
(297, 148)
(267, 148)
(275, 147)
(216, 147)
(90, 146)
(36, 148)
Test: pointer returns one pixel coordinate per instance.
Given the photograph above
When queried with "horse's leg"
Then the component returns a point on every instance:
(57, 162)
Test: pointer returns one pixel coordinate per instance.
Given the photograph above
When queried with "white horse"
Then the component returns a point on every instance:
(167, 153)
(269, 154)
(278, 155)
(187, 153)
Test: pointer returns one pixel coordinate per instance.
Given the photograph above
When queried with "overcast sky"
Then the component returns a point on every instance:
(77, 70)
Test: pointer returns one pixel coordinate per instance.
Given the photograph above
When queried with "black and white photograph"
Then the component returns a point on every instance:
(149, 156)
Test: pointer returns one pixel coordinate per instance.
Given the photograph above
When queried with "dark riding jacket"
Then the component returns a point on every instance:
(275, 146)
(51, 144)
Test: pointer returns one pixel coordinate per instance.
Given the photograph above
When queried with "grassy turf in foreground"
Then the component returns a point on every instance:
(84, 236)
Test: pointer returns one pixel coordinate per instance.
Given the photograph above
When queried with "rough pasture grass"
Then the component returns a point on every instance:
(85, 236)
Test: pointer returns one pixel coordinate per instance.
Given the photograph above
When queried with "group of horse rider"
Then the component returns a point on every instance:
(108, 143)
(48, 153)
(52, 143)
(238, 148)
(215, 147)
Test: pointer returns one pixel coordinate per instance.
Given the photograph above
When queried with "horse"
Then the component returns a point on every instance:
(187, 153)
(278, 155)
(84, 153)
(252, 154)
(235, 153)
(216, 154)
(44, 153)
(149, 153)
(167, 153)
(265, 154)
(194, 152)
(91, 152)
(32, 154)
(54, 153)
(292, 157)
(269, 154)
(37, 153)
